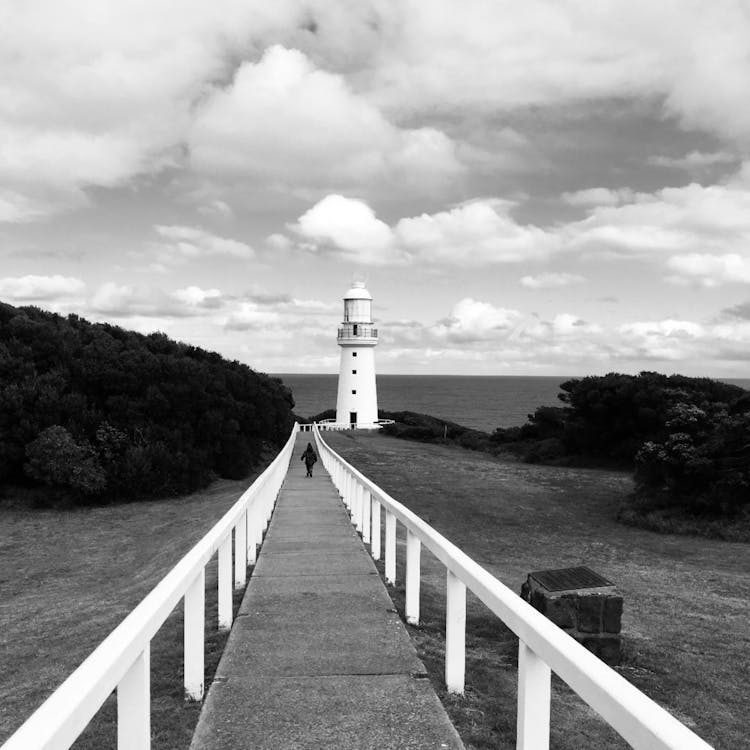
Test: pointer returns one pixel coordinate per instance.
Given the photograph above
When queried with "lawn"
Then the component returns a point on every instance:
(687, 599)
(68, 577)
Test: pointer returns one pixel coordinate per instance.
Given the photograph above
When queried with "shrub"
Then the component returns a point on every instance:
(55, 458)
(130, 415)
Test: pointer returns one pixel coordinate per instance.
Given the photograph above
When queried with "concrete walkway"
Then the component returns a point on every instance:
(317, 657)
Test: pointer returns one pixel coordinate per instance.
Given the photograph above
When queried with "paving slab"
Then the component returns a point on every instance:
(381, 712)
(314, 563)
(318, 656)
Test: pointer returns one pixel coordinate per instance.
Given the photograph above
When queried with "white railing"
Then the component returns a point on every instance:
(121, 661)
(542, 646)
(332, 426)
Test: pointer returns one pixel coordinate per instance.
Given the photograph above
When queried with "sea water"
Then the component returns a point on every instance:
(481, 402)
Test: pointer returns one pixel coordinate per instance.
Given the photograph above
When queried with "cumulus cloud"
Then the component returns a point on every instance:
(474, 233)
(495, 56)
(89, 97)
(321, 96)
(473, 320)
(115, 300)
(349, 227)
(711, 270)
(551, 280)
(699, 232)
(499, 338)
(286, 121)
(40, 288)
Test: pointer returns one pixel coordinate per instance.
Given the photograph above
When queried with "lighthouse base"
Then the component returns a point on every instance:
(357, 400)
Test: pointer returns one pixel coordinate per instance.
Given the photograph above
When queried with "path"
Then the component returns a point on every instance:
(317, 657)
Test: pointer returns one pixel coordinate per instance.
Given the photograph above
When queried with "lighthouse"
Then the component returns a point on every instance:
(357, 401)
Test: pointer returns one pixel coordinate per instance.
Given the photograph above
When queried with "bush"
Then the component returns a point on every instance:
(110, 414)
(57, 460)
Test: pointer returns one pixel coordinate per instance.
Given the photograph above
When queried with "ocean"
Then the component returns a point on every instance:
(480, 402)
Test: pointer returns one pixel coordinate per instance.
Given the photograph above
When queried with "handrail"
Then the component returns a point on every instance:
(121, 660)
(542, 645)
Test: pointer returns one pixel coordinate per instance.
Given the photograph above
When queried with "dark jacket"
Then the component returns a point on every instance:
(309, 456)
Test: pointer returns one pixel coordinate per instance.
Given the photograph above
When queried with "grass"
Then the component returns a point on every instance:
(687, 599)
(68, 577)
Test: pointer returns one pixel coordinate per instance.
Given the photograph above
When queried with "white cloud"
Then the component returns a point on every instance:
(711, 270)
(496, 57)
(475, 233)
(551, 280)
(194, 296)
(251, 316)
(113, 300)
(195, 242)
(698, 231)
(40, 288)
(94, 96)
(283, 120)
(350, 227)
(471, 320)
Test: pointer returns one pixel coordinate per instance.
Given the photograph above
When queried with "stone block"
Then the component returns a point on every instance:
(539, 601)
(612, 620)
(526, 591)
(590, 609)
(590, 614)
(562, 610)
(610, 649)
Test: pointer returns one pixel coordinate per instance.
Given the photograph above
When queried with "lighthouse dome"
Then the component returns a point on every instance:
(358, 291)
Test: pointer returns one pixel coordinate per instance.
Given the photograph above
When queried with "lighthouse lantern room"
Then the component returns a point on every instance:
(357, 401)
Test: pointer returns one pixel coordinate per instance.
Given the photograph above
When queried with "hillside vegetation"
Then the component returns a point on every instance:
(97, 413)
(687, 440)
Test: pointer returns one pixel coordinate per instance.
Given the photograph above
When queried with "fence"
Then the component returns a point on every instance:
(121, 661)
(542, 646)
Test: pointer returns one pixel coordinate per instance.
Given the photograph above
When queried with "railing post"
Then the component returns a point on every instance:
(134, 705)
(366, 510)
(413, 559)
(532, 726)
(455, 634)
(258, 517)
(194, 626)
(358, 497)
(390, 548)
(225, 584)
(375, 532)
(250, 532)
(240, 552)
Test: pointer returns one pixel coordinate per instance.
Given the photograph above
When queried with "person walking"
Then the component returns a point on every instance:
(309, 457)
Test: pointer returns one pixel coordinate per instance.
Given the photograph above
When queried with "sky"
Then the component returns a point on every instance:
(528, 188)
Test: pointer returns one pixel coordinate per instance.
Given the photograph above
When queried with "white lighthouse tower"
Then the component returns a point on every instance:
(357, 401)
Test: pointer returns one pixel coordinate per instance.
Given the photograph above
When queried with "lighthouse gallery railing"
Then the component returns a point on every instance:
(542, 646)
(121, 661)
